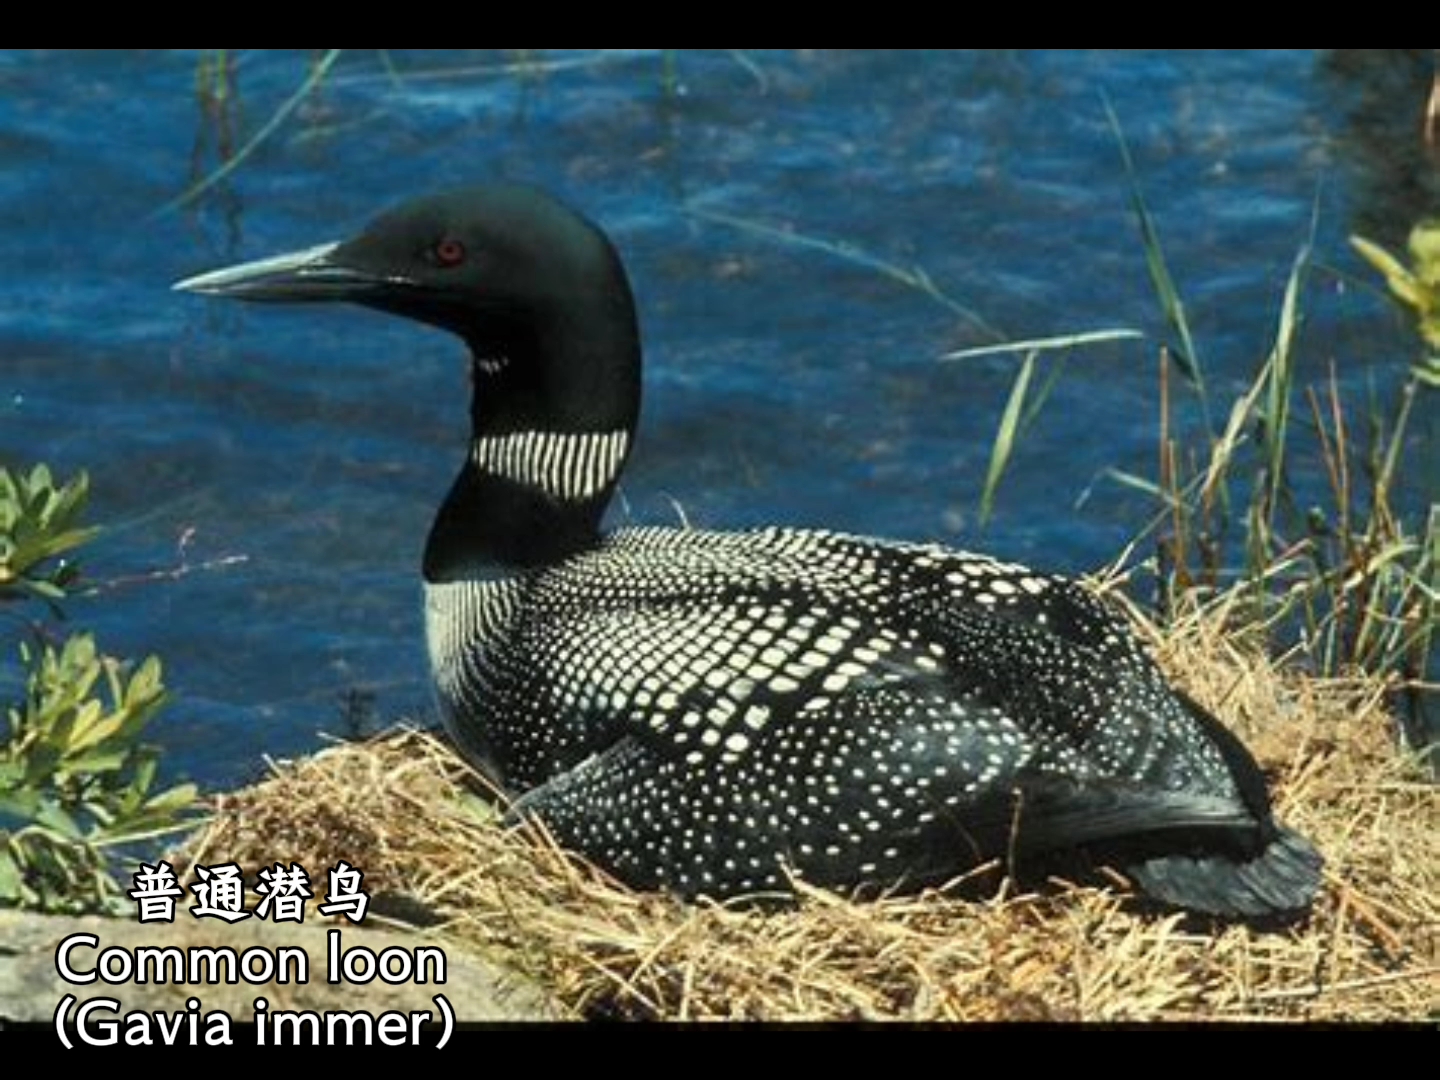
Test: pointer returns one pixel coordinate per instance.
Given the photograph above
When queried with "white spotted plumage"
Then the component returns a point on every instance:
(704, 692)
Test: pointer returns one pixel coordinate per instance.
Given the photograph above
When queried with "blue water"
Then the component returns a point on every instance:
(267, 476)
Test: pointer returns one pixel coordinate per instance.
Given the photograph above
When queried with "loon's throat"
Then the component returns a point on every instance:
(547, 446)
(524, 499)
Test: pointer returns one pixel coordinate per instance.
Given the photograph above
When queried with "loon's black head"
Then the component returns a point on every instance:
(534, 288)
(539, 295)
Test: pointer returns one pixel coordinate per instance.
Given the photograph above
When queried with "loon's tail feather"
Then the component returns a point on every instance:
(1282, 880)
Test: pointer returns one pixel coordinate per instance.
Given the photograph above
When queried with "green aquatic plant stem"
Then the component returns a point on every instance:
(1187, 355)
(913, 277)
(200, 187)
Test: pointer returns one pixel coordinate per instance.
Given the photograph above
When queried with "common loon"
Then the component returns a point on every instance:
(711, 712)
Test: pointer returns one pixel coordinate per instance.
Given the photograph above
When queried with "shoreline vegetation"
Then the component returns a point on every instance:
(1308, 626)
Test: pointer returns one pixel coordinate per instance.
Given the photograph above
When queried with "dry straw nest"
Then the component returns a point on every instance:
(404, 809)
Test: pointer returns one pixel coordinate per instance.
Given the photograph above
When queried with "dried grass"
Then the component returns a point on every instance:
(402, 809)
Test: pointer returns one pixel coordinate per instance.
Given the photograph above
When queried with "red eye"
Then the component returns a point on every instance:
(449, 252)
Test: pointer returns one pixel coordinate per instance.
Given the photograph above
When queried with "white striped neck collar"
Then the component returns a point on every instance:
(571, 467)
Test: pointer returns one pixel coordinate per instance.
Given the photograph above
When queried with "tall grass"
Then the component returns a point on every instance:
(1343, 583)
(1021, 409)
(1187, 355)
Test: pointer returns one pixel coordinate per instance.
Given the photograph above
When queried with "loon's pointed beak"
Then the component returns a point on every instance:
(310, 275)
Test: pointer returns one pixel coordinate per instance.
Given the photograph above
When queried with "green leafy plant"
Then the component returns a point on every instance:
(39, 525)
(1417, 288)
(75, 781)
